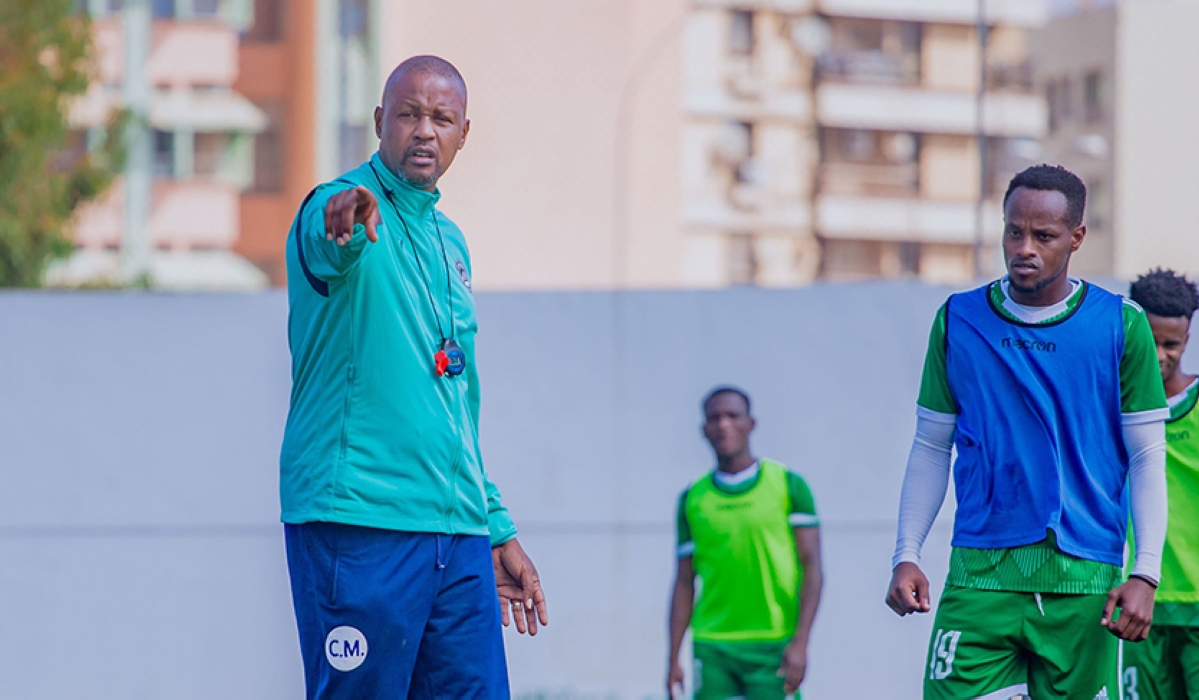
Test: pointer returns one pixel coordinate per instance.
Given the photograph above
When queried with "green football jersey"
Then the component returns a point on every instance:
(742, 543)
(1178, 595)
(1041, 567)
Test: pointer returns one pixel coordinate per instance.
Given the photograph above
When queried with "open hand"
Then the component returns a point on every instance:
(519, 588)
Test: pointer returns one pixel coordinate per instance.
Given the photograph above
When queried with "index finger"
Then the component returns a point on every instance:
(923, 603)
(1113, 599)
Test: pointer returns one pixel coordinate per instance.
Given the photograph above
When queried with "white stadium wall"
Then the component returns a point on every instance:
(140, 553)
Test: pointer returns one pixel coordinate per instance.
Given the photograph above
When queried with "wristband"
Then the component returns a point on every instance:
(1144, 578)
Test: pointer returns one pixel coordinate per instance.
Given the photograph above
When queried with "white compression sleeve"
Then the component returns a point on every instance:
(924, 483)
(1146, 446)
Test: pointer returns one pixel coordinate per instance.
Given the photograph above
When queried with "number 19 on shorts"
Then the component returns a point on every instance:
(945, 646)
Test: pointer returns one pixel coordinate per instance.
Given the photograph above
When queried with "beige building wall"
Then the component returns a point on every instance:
(1121, 81)
(1064, 53)
(570, 176)
(1157, 136)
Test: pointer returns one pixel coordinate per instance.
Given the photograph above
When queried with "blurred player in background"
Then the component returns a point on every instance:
(397, 541)
(749, 532)
(1049, 389)
(1166, 665)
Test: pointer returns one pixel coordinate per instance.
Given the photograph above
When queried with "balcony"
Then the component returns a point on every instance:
(194, 52)
(1022, 13)
(869, 179)
(904, 219)
(891, 108)
(869, 67)
(783, 6)
(183, 216)
(744, 210)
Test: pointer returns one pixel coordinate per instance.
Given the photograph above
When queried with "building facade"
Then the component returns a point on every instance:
(180, 197)
(840, 139)
(680, 143)
(1119, 81)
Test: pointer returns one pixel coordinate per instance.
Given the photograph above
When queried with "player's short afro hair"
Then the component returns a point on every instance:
(1165, 293)
(1053, 178)
(724, 389)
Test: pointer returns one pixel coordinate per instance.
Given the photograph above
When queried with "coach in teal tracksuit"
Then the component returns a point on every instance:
(392, 525)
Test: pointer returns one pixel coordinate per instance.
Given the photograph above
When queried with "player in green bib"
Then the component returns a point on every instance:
(1166, 665)
(748, 533)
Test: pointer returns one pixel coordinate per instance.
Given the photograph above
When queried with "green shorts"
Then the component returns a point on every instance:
(1163, 667)
(993, 645)
(738, 670)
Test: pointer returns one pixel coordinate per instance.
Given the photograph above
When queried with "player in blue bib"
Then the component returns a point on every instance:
(1048, 388)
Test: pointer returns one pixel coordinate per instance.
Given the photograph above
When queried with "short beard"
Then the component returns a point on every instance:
(419, 183)
(1036, 287)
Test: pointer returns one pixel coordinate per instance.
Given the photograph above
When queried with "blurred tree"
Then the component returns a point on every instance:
(46, 171)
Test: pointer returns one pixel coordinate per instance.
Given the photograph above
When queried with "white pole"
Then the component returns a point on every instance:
(135, 242)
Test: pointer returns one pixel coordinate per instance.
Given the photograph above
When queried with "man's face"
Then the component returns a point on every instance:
(1171, 334)
(1037, 240)
(727, 424)
(421, 125)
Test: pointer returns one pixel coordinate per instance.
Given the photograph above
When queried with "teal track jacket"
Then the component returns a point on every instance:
(374, 437)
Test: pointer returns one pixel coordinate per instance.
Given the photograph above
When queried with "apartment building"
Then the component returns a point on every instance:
(1119, 80)
(183, 201)
(840, 139)
(310, 67)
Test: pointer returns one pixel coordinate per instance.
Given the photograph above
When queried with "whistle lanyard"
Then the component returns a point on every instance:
(449, 358)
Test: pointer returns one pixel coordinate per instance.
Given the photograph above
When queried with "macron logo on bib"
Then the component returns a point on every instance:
(345, 648)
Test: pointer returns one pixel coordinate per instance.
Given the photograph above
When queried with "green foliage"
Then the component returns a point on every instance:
(45, 60)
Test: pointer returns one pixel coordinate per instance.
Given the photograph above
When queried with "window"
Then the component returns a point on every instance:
(268, 150)
(164, 154)
(268, 21)
(353, 18)
(743, 259)
(872, 51)
(745, 140)
(1051, 98)
(353, 147)
(1095, 97)
(1059, 95)
(163, 9)
(741, 32)
(210, 153)
(206, 8)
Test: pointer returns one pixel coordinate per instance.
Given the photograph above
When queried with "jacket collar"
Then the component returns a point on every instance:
(408, 199)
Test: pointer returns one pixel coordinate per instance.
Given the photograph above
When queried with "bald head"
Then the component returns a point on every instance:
(421, 121)
(425, 65)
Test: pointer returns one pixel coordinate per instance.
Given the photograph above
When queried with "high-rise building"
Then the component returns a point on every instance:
(680, 143)
(310, 67)
(199, 153)
(840, 139)
(1119, 79)
(699, 143)
(251, 103)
